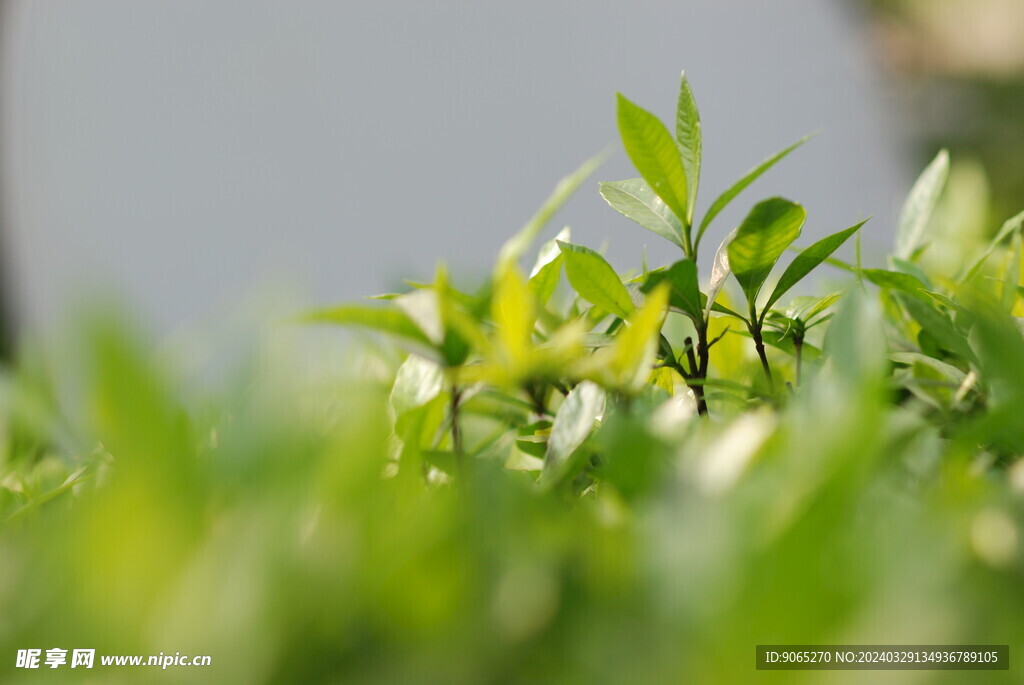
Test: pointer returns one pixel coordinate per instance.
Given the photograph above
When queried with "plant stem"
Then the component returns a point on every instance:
(798, 346)
(755, 333)
(456, 396)
(698, 370)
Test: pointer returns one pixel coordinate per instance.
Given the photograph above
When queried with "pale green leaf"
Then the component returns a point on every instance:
(390, 321)
(575, 421)
(595, 280)
(719, 273)
(920, 204)
(635, 200)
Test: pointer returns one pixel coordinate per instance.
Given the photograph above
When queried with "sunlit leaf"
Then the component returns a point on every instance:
(575, 420)
(654, 154)
(719, 274)
(635, 200)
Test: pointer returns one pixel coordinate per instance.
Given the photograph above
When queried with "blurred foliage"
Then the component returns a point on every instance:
(628, 481)
(959, 70)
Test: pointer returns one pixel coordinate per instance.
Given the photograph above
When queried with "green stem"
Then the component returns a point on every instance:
(798, 346)
(698, 369)
(456, 396)
(755, 333)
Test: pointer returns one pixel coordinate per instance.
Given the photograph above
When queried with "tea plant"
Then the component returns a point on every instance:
(548, 376)
(550, 484)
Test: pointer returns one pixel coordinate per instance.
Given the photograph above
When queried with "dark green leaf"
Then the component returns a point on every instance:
(938, 325)
(684, 292)
(761, 239)
(807, 260)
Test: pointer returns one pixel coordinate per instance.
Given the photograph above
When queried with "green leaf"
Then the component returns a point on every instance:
(514, 248)
(725, 198)
(1012, 225)
(390, 321)
(684, 291)
(894, 280)
(627, 363)
(807, 315)
(807, 260)
(719, 273)
(954, 374)
(938, 325)
(688, 137)
(574, 422)
(920, 204)
(543, 283)
(1011, 275)
(654, 154)
(761, 239)
(595, 280)
(417, 382)
(548, 268)
(911, 268)
(948, 303)
(635, 200)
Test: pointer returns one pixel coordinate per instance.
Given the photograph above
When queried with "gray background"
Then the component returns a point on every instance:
(185, 153)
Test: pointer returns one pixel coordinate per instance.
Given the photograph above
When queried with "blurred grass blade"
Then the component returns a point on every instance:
(725, 198)
(517, 245)
(920, 204)
(390, 321)
(1012, 225)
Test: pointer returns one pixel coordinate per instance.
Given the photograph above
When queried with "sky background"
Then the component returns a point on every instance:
(186, 153)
